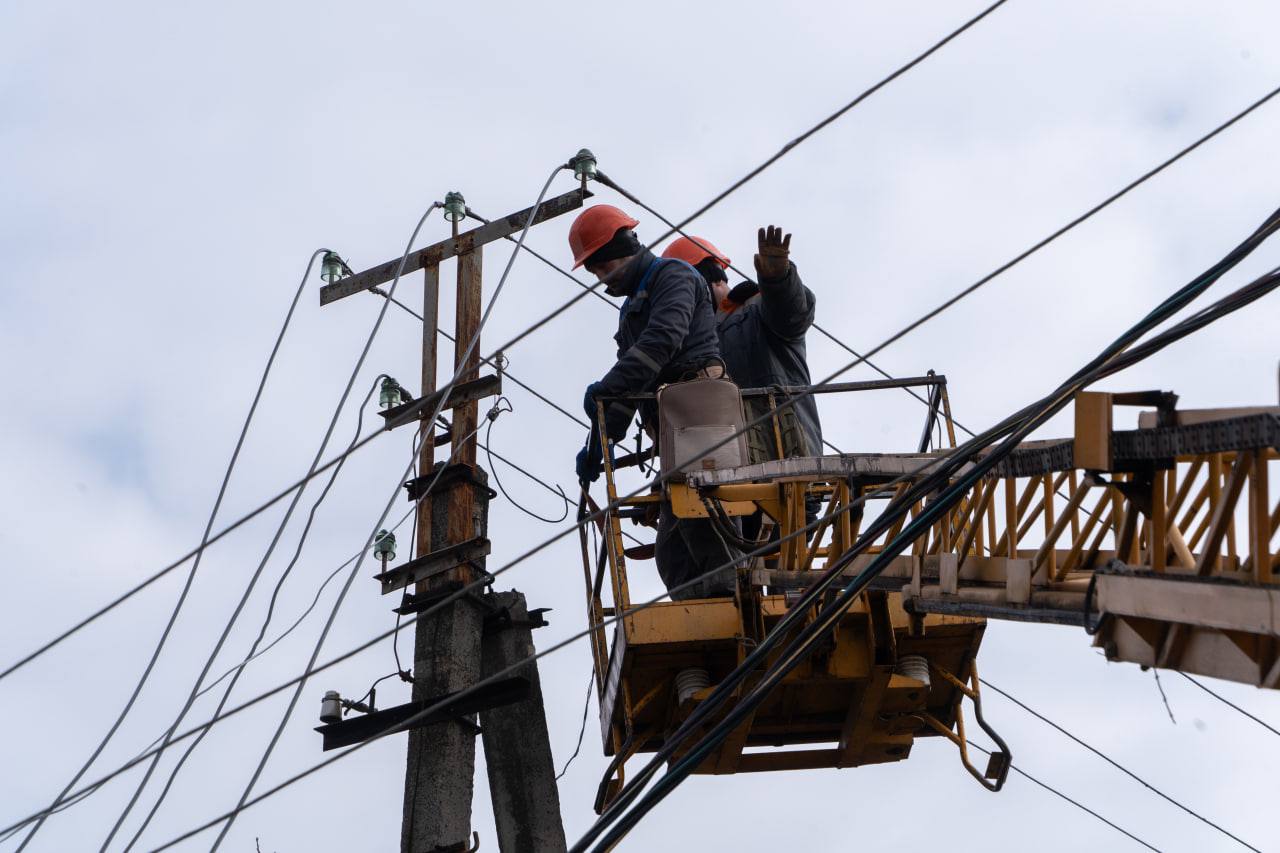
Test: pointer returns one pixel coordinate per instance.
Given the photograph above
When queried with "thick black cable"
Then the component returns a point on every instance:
(262, 630)
(1026, 420)
(204, 541)
(1230, 704)
(680, 769)
(1117, 765)
(591, 288)
(380, 637)
(1024, 774)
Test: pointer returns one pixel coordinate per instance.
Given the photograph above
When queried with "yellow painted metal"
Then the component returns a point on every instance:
(1013, 542)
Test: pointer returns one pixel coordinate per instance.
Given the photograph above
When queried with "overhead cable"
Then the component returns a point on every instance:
(191, 575)
(1011, 431)
(262, 630)
(1024, 774)
(1126, 771)
(297, 497)
(462, 361)
(1229, 703)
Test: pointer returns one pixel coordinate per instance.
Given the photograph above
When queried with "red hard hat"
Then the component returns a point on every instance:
(695, 250)
(594, 227)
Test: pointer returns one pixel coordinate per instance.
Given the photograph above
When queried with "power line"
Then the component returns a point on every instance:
(1134, 776)
(146, 752)
(586, 707)
(324, 443)
(1016, 769)
(382, 636)
(604, 623)
(1013, 430)
(488, 437)
(609, 182)
(506, 373)
(462, 368)
(564, 307)
(262, 631)
(1229, 703)
(738, 184)
(182, 597)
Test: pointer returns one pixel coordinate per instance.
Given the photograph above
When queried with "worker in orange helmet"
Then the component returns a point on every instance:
(762, 331)
(666, 333)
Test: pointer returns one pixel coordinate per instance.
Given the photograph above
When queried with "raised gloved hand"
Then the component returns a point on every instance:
(773, 260)
(589, 400)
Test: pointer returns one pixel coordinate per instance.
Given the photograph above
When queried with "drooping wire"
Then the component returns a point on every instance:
(1126, 771)
(491, 360)
(146, 751)
(186, 589)
(535, 326)
(262, 630)
(1163, 697)
(493, 471)
(1224, 700)
(853, 589)
(315, 462)
(462, 361)
(586, 519)
(586, 708)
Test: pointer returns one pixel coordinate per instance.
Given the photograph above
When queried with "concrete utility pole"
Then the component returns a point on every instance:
(476, 634)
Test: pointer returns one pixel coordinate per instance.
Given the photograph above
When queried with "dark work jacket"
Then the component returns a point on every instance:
(665, 331)
(762, 344)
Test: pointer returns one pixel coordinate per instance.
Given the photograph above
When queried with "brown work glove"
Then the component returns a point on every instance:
(773, 262)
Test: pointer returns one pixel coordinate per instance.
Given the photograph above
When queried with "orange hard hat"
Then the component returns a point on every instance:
(695, 250)
(594, 227)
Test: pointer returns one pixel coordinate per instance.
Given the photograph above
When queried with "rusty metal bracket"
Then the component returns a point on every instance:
(500, 620)
(436, 563)
(401, 718)
(438, 480)
(452, 396)
(465, 242)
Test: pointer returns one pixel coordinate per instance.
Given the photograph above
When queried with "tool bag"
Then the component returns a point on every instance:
(695, 416)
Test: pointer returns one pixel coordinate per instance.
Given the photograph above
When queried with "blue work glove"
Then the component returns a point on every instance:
(589, 463)
(594, 390)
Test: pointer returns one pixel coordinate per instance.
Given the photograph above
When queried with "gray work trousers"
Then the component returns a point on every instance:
(689, 547)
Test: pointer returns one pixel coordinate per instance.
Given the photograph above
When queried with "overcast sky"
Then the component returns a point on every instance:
(167, 169)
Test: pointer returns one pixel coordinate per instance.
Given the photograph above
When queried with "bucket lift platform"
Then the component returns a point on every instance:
(864, 700)
(884, 678)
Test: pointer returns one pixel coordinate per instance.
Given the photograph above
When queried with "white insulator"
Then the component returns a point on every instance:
(690, 681)
(331, 707)
(913, 666)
